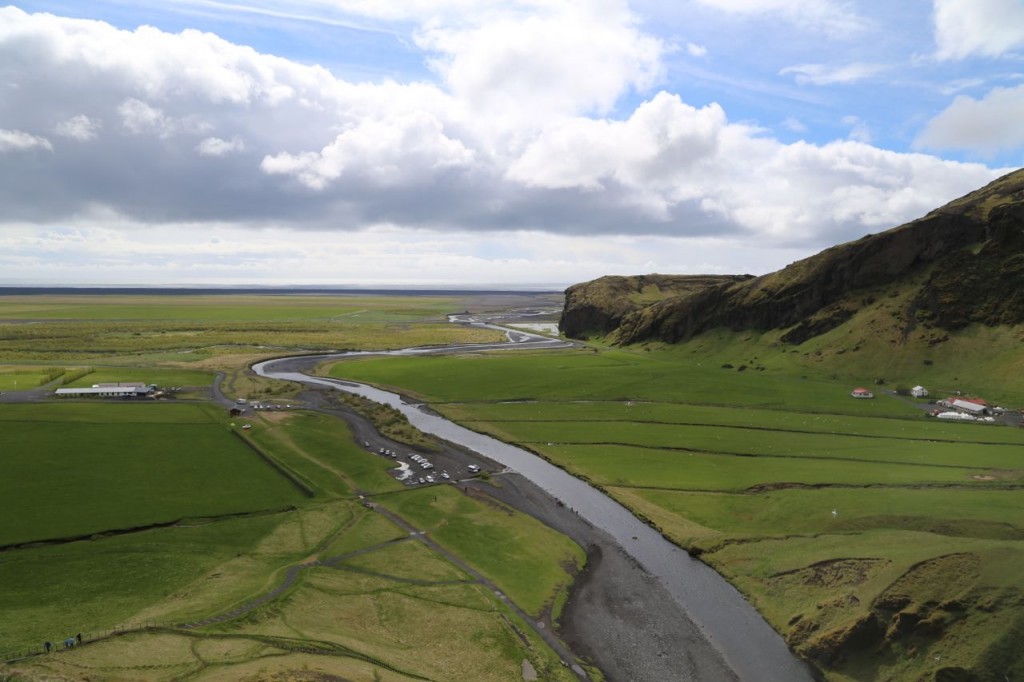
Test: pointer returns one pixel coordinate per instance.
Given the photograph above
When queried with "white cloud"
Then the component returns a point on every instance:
(386, 152)
(832, 16)
(988, 28)
(506, 141)
(989, 124)
(78, 127)
(139, 117)
(564, 59)
(652, 153)
(679, 163)
(17, 140)
(821, 74)
(696, 50)
(859, 130)
(794, 124)
(214, 146)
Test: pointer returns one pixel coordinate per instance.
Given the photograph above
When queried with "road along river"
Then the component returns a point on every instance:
(729, 624)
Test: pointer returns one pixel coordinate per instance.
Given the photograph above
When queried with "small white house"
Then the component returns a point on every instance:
(862, 393)
(919, 392)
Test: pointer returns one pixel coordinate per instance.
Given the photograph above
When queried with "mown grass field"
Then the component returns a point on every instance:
(22, 378)
(881, 543)
(162, 377)
(72, 470)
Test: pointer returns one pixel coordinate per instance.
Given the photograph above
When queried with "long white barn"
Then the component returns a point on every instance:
(105, 391)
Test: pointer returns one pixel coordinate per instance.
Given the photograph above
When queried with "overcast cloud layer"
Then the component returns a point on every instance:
(503, 141)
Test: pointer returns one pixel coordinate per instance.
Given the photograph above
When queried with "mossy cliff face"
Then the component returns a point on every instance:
(969, 255)
(599, 307)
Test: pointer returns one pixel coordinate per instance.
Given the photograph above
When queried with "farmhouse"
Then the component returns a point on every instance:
(919, 392)
(862, 393)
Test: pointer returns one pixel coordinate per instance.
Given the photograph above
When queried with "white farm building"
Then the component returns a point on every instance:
(126, 389)
(919, 392)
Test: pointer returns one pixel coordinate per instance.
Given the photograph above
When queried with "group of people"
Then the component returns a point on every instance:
(69, 643)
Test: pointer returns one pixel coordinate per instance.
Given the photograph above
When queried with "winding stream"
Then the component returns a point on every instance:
(730, 624)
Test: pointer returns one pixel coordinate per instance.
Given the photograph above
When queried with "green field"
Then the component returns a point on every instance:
(836, 517)
(180, 519)
(83, 469)
(525, 558)
(16, 378)
(163, 378)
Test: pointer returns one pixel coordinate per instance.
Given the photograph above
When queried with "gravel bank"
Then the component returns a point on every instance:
(618, 618)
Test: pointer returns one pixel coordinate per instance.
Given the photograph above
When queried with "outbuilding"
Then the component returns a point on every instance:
(969, 406)
(862, 393)
(103, 392)
(919, 392)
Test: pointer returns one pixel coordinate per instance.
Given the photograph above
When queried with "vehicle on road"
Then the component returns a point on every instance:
(474, 468)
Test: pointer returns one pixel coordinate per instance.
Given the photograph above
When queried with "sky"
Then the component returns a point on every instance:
(520, 143)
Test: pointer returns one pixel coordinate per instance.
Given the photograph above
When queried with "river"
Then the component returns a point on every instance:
(753, 650)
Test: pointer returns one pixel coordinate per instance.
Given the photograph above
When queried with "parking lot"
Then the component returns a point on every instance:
(414, 468)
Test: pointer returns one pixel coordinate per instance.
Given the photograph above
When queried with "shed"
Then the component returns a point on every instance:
(969, 406)
(919, 392)
(862, 393)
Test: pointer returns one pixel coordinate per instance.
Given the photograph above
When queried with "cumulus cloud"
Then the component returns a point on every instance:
(17, 140)
(987, 28)
(81, 128)
(679, 163)
(696, 50)
(566, 58)
(525, 129)
(214, 146)
(387, 152)
(989, 124)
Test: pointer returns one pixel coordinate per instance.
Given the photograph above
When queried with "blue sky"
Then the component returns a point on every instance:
(486, 141)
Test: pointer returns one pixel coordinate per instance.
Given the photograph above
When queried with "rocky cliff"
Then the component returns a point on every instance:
(600, 306)
(965, 262)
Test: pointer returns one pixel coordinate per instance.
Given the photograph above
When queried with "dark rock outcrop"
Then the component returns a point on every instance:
(966, 260)
(598, 307)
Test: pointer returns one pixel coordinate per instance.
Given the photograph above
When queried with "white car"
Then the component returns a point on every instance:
(444, 475)
(474, 468)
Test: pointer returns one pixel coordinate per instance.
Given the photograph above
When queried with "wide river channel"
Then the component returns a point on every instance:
(754, 651)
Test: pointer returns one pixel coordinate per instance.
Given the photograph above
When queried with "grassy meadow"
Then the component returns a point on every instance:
(379, 601)
(148, 329)
(143, 517)
(881, 543)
